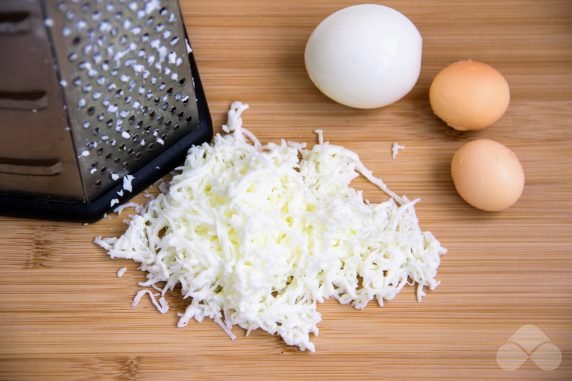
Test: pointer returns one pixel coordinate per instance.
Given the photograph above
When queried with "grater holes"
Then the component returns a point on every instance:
(72, 57)
(189, 118)
(99, 151)
(103, 170)
(91, 111)
(153, 115)
(76, 41)
(98, 183)
(138, 155)
(130, 151)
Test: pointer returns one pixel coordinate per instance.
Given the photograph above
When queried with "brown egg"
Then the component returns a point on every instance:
(487, 175)
(469, 95)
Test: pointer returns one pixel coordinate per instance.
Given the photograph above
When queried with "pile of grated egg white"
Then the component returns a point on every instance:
(257, 235)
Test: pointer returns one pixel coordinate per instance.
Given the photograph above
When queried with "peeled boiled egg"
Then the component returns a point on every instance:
(487, 175)
(469, 95)
(365, 56)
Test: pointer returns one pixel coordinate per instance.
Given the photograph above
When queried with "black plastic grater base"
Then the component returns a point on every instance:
(143, 178)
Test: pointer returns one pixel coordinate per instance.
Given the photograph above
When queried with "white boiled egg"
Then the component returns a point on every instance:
(365, 56)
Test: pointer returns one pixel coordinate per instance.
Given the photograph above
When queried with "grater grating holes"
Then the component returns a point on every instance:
(124, 62)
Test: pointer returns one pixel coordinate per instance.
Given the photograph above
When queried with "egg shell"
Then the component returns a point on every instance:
(487, 175)
(469, 95)
(365, 56)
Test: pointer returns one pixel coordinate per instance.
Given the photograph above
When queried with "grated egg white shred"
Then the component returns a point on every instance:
(257, 235)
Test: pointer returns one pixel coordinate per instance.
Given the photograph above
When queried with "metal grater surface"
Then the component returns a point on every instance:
(119, 64)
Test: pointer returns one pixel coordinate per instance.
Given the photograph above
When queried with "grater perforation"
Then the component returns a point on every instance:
(122, 71)
(151, 63)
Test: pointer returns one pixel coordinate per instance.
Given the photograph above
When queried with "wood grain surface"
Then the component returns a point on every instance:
(64, 315)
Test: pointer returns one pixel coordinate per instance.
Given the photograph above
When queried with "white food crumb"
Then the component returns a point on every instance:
(127, 183)
(49, 22)
(114, 202)
(125, 135)
(395, 148)
(114, 176)
(151, 6)
(121, 208)
(85, 153)
(172, 57)
(320, 134)
(121, 272)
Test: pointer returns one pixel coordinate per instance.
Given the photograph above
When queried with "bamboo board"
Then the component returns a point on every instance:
(65, 316)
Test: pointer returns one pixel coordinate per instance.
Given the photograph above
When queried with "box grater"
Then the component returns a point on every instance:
(93, 92)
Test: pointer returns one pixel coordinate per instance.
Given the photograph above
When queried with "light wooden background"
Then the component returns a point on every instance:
(65, 316)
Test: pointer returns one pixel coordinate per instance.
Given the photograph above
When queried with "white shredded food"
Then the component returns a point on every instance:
(258, 235)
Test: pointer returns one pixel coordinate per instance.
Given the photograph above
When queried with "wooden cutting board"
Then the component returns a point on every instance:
(64, 315)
